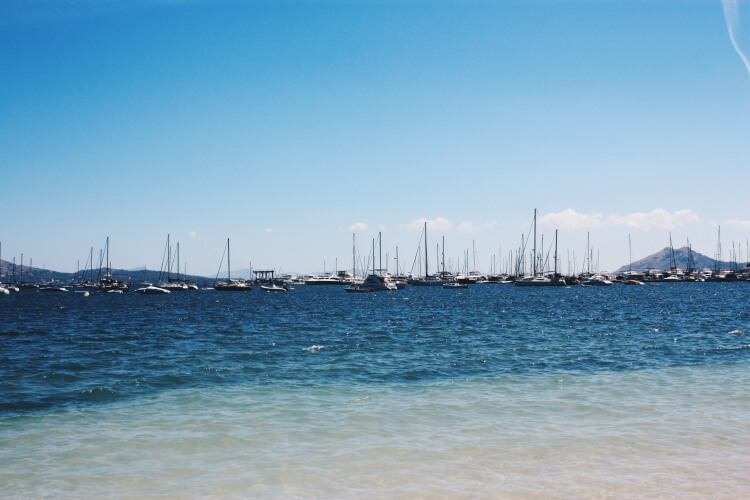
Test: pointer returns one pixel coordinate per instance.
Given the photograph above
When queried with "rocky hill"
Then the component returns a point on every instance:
(661, 260)
(37, 275)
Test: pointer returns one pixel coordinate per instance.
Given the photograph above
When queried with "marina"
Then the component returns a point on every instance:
(420, 390)
(480, 249)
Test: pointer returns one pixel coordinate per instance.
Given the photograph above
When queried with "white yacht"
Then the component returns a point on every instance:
(554, 280)
(152, 290)
(323, 279)
(595, 280)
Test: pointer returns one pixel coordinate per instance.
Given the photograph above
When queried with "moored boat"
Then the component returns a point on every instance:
(554, 280)
(536, 279)
(455, 285)
(595, 280)
(358, 288)
(273, 287)
(323, 279)
(152, 290)
(232, 285)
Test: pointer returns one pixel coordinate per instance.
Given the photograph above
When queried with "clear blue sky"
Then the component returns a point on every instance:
(285, 125)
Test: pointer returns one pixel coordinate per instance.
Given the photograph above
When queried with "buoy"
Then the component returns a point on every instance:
(86, 294)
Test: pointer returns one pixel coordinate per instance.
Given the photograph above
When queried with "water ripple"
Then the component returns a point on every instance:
(63, 350)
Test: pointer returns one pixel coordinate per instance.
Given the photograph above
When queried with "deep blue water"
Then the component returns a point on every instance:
(59, 350)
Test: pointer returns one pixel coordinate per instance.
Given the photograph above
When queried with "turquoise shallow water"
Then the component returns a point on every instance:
(492, 391)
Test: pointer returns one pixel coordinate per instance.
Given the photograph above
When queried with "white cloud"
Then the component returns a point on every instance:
(269, 229)
(655, 219)
(742, 224)
(358, 226)
(193, 234)
(570, 220)
(470, 227)
(436, 224)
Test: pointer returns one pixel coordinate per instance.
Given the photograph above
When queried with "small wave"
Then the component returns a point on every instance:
(737, 331)
(99, 394)
(313, 348)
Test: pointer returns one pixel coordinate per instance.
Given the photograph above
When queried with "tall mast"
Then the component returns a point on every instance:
(630, 251)
(717, 265)
(229, 264)
(443, 276)
(426, 274)
(555, 252)
(380, 253)
(178, 260)
(534, 251)
(354, 257)
(474, 255)
(169, 263)
(672, 263)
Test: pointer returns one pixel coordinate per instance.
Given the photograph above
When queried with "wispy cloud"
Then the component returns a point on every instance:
(742, 224)
(655, 219)
(193, 234)
(732, 18)
(570, 220)
(436, 224)
(269, 229)
(470, 227)
(358, 226)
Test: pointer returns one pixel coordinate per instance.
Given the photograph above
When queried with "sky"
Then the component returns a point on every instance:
(288, 126)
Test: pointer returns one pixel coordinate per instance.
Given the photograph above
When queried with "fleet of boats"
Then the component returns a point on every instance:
(376, 278)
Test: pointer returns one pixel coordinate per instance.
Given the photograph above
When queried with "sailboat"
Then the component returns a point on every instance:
(107, 283)
(399, 280)
(357, 286)
(172, 284)
(631, 277)
(26, 285)
(470, 277)
(428, 280)
(375, 281)
(152, 290)
(675, 273)
(538, 279)
(231, 285)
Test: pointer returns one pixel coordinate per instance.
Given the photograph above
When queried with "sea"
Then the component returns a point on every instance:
(492, 391)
